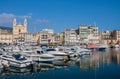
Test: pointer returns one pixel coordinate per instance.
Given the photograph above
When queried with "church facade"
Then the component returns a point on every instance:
(19, 29)
(21, 35)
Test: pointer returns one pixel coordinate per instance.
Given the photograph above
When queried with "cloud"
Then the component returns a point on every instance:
(43, 21)
(30, 14)
(8, 17)
(25, 16)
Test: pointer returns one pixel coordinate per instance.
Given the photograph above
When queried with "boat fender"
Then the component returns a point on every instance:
(67, 58)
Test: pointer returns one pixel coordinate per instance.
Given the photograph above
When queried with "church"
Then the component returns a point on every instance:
(21, 35)
(19, 28)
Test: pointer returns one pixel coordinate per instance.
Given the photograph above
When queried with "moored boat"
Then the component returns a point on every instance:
(58, 54)
(40, 57)
(16, 61)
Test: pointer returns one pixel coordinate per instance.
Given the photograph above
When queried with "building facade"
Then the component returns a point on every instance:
(106, 37)
(28, 38)
(46, 36)
(84, 34)
(111, 37)
(18, 29)
(88, 34)
(71, 37)
(62, 37)
(116, 34)
(6, 36)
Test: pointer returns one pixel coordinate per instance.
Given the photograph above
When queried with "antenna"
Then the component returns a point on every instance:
(34, 28)
(94, 23)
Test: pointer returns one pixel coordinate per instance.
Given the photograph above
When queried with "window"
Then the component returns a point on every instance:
(44, 36)
(19, 30)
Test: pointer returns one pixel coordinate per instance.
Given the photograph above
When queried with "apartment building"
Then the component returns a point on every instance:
(88, 34)
(71, 37)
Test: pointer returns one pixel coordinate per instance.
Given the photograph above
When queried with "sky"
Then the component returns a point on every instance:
(61, 14)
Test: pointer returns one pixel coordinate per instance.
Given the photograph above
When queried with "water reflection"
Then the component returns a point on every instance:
(94, 61)
(100, 58)
(89, 62)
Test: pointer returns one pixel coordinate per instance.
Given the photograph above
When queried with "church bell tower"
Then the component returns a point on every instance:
(25, 24)
(14, 22)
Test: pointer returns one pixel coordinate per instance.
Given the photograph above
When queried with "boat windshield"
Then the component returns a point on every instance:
(8, 56)
(50, 50)
(19, 57)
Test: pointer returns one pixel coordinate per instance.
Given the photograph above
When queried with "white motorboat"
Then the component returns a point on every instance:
(17, 61)
(58, 55)
(41, 57)
(16, 49)
(117, 46)
(77, 51)
(27, 51)
(72, 52)
(83, 51)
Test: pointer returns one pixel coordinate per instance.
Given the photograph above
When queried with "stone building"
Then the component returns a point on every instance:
(116, 35)
(88, 34)
(110, 37)
(71, 37)
(18, 28)
(6, 35)
(46, 36)
(29, 38)
(6, 38)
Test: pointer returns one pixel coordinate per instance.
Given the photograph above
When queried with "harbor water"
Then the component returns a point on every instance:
(98, 65)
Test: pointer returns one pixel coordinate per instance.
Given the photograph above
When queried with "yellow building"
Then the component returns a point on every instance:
(111, 37)
(19, 28)
(5, 35)
(29, 38)
(6, 38)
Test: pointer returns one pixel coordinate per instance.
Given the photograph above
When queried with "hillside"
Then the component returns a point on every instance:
(6, 28)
